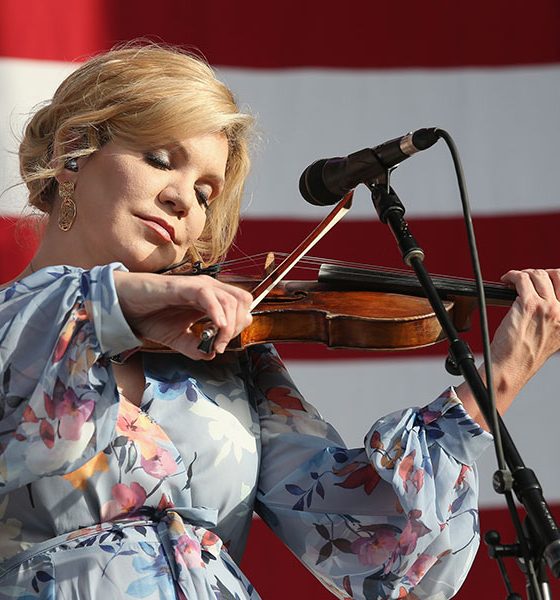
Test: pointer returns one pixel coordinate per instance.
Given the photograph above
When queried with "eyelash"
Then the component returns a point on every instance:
(202, 199)
(158, 162)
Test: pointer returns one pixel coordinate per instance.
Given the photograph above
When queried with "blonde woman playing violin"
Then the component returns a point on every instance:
(139, 479)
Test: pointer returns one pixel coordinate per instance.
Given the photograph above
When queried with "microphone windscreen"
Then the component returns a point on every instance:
(312, 186)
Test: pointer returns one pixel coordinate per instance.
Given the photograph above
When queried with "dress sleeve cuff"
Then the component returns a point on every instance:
(102, 304)
(444, 424)
(448, 424)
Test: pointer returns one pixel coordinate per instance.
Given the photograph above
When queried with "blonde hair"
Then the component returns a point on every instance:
(146, 96)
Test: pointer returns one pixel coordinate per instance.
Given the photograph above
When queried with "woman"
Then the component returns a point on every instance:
(137, 478)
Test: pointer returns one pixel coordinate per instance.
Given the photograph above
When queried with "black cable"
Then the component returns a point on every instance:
(444, 135)
(481, 296)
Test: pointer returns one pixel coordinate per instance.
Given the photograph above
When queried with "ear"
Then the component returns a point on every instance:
(70, 165)
(67, 175)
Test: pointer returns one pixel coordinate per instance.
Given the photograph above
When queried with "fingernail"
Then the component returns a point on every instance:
(220, 348)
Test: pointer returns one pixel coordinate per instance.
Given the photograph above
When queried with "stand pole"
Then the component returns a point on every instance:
(522, 480)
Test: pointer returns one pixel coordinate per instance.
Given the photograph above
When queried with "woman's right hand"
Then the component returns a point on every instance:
(163, 308)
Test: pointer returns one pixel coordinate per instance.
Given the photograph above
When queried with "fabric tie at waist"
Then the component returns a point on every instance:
(182, 531)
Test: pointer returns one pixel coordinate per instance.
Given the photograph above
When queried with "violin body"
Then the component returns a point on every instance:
(307, 311)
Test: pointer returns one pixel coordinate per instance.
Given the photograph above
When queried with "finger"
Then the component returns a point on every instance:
(243, 316)
(522, 282)
(242, 296)
(225, 305)
(530, 281)
(542, 283)
(238, 305)
(554, 275)
(211, 305)
(188, 345)
(510, 277)
(229, 330)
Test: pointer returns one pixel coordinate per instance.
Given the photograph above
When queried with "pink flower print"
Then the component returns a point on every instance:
(412, 531)
(164, 502)
(417, 479)
(126, 500)
(405, 594)
(77, 315)
(409, 474)
(359, 475)
(46, 432)
(29, 415)
(462, 476)
(284, 398)
(421, 565)
(377, 549)
(72, 413)
(188, 552)
(375, 441)
(160, 465)
(429, 416)
(211, 542)
(137, 426)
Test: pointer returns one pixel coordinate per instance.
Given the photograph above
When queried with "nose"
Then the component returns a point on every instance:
(177, 200)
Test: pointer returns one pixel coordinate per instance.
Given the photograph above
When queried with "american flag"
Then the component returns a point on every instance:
(326, 79)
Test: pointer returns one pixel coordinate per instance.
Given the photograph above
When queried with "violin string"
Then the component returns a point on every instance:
(310, 263)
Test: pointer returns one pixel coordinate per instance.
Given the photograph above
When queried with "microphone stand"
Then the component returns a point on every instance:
(519, 478)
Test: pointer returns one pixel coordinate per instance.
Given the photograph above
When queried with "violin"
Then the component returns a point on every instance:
(356, 307)
(348, 306)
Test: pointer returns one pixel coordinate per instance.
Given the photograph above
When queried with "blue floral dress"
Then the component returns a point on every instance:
(102, 499)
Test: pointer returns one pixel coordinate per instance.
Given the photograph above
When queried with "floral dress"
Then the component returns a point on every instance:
(102, 499)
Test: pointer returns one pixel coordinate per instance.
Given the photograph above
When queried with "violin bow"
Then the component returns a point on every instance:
(262, 289)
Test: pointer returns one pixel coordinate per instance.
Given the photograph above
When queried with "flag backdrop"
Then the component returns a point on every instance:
(326, 80)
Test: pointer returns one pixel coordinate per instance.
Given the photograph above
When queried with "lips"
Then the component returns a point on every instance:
(161, 227)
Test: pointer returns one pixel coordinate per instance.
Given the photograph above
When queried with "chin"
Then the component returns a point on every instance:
(141, 256)
(152, 263)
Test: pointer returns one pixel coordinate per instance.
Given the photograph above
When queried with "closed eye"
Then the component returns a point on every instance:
(203, 198)
(159, 160)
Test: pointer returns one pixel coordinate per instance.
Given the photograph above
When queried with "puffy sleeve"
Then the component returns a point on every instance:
(58, 398)
(395, 517)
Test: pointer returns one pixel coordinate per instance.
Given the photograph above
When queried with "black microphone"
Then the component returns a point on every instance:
(327, 180)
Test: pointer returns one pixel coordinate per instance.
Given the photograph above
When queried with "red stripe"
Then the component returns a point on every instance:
(263, 35)
(17, 246)
(53, 30)
(505, 242)
(266, 569)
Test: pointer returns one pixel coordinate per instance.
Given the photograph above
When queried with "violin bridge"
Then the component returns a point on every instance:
(269, 264)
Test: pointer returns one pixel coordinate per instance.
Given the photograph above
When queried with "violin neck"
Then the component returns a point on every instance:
(403, 282)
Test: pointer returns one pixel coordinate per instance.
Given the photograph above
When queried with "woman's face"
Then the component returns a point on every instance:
(144, 209)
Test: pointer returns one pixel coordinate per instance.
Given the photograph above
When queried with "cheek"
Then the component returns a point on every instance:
(194, 226)
(123, 183)
(200, 223)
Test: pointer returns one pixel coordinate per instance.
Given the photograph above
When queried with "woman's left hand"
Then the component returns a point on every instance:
(530, 332)
(527, 336)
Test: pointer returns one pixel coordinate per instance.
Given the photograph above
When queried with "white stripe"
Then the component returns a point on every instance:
(352, 395)
(505, 122)
(24, 84)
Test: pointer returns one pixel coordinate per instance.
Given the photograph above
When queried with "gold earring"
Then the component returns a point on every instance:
(68, 210)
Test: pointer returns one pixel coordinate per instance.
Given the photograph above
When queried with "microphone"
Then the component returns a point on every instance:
(327, 180)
